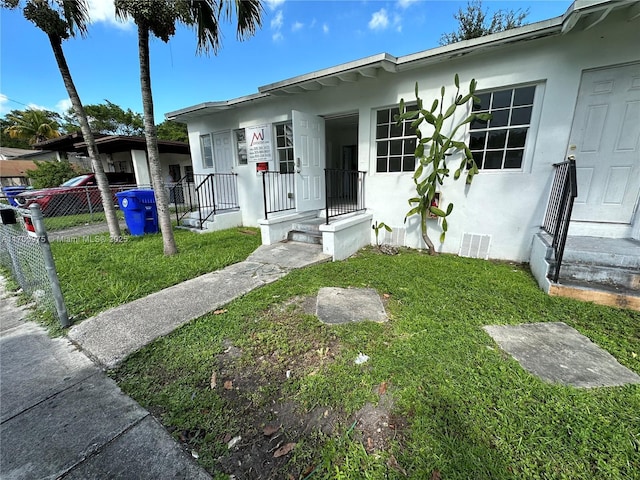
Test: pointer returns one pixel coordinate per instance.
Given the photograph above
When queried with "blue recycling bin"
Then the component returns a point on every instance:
(140, 211)
(11, 192)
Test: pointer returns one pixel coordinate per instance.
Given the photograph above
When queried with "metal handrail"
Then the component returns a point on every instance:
(277, 192)
(344, 192)
(564, 190)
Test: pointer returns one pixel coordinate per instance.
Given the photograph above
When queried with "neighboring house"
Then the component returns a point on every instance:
(13, 173)
(11, 153)
(125, 154)
(565, 86)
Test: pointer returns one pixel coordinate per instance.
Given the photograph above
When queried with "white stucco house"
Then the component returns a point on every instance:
(568, 86)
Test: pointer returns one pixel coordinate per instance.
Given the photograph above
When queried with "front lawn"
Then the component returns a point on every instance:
(262, 389)
(96, 274)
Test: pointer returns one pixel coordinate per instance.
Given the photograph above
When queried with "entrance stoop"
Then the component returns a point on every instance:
(594, 269)
(306, 231)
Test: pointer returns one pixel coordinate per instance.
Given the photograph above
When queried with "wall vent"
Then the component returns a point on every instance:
(396, 237)
(475, 246)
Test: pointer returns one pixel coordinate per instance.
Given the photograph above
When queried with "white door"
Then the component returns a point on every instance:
(605, 139)
(222, 152)
(309, 154)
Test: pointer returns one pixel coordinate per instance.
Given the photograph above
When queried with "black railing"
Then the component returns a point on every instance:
(344, 192)
(277, 192)
(206, 194)
(556, 221)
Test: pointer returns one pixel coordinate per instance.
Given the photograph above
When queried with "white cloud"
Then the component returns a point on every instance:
(406, 3)
(397, 23)
(105, 11)
(34, 106)
(325, 28)
(379, 20)
(3, 104)
(277, 37)
(276, 22)
(273, 4)
(63, 105)
(297, 26)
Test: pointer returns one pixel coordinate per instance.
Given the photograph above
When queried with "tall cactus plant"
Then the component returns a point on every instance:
(437, 133)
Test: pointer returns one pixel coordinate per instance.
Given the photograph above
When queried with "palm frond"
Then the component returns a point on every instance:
(76, 14)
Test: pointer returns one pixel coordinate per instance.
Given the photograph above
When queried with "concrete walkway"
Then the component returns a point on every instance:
(62, 417)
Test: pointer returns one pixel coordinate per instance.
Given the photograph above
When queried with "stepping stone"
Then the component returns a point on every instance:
(558, 353)
(346, 305)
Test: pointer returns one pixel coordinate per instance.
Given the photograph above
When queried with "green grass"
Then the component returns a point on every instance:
(471, 411)
(68, 221)
(96, 274)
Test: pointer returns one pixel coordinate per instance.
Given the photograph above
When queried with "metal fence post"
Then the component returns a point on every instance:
(43, 240)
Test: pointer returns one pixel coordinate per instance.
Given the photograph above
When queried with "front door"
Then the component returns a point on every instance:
(309, 154)
(222, 152)
(605, 139)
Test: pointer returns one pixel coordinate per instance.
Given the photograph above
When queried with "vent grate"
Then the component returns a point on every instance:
(475, 246)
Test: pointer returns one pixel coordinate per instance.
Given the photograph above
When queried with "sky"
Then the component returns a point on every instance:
(296, 37)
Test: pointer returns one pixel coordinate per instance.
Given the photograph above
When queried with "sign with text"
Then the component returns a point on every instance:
(259, 143)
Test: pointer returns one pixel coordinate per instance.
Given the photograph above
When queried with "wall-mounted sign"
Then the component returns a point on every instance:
(259, 143)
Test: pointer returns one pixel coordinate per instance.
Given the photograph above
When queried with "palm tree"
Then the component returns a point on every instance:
(159, 18)
(60, 20)
(32, 125)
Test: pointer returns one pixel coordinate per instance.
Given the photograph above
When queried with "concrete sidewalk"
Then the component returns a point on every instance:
(62, 417)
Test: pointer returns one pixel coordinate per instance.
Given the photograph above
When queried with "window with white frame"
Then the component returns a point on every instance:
(395, 144)
(239, 136)
(499, 143)
(207, 150)
(284, 148)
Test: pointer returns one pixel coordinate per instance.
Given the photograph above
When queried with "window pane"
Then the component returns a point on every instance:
(396, 130)
(288, 131)
(207, 151)
(282, 156)
(524, 96)
(517, 137)
(521, 116)
(497, 139)
(501, 99)
(394, 111)
(410, 145)
(280, 142)
(408, 129)
(408, 163)
(381, 164)
(383, 148)
(485, 98)
(382, 116)
(382, 132)
(476, 142)
(477, 156)
(478, 124)
(396, 147)
(394, 164)
(499, 118)
(513, 159)
(289, 154)
(279, 129)
(493, 160)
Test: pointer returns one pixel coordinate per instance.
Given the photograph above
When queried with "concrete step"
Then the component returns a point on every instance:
(606, 252)
(627, 278)
(311, 226)
(608, 295)
(305, 237)
(191, 222)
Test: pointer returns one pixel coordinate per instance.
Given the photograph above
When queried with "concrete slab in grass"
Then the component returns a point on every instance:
(146, 451)
(346, 305)
(558, 353)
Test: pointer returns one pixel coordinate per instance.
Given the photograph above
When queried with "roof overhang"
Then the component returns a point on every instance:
(581, 15)
(122, 143)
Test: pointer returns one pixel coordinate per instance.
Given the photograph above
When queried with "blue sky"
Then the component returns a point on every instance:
(297, 37)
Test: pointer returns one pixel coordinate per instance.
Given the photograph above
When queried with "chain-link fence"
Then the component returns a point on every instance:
(64, 208)
(27, 254)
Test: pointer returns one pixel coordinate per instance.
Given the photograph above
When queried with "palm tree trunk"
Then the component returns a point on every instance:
(153, 155)
(101, 178)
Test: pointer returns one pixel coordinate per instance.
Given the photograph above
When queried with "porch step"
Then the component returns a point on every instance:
(306, 231)
(626, 278)
(600, 294)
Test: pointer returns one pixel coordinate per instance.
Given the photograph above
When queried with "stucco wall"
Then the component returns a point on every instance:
(508, 205)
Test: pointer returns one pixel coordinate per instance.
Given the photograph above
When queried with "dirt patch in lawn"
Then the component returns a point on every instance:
(256, 382)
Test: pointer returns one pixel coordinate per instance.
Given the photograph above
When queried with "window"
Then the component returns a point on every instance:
(284, 148)
(499, 143)
(207, 151)
(395, 144)
(241, 146)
